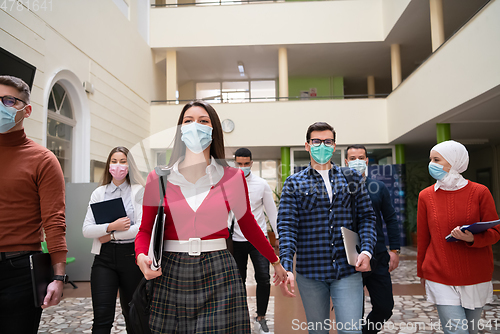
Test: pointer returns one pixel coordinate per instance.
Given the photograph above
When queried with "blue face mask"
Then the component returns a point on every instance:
(322, 153)
(246, 170)
(359, 165)
(8, 117)
(436, 171)
(197, 137)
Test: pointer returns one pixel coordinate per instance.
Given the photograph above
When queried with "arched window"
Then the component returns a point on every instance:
(60, 124)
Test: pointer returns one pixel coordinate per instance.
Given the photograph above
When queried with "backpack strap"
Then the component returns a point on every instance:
(352, 187)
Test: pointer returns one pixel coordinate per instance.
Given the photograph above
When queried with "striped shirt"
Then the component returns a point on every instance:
(309, 223)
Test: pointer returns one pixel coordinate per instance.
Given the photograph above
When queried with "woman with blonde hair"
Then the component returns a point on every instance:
(114, 268)
(457, 275)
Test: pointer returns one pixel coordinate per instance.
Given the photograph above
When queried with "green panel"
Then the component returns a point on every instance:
(400, 154)
(338, 87)
(443, 132)
(285, 163)
(298, 84)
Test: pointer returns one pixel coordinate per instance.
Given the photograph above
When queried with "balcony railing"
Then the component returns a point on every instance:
(219, 3)
(219, 99)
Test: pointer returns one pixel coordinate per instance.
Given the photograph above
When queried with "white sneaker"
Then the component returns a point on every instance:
(260, 326)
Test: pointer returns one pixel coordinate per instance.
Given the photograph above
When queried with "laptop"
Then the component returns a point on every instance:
(351, 244)
(41, 276)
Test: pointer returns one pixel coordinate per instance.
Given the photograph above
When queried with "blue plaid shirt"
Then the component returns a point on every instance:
(309, 224)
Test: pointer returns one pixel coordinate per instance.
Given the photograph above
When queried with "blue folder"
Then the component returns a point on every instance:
(475, 228)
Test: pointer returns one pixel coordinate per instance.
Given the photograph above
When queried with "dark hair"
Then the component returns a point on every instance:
(319, 126)
(243, 152)
(217, 145)
(133, 176)
(357, 146)
(20, 85)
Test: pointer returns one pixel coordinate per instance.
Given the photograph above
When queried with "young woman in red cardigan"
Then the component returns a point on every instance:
(457, 275)
(193, 292)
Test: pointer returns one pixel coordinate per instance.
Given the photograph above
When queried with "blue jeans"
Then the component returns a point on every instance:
(261, 267)
(458, 320)
(347, 298)
(18, 313)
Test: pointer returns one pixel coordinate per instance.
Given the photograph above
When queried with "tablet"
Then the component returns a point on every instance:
(351, 245)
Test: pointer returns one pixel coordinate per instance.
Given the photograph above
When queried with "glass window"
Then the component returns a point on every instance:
(262, 91)
(208, 91)
(60, 124)
(235, 92)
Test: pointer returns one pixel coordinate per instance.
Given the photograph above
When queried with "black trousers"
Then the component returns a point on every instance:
(18, 314)
(379, 286)
(113, 270)
(261, 267)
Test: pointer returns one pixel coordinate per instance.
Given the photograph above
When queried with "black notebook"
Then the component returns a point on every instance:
(41, 275)
(108, 211)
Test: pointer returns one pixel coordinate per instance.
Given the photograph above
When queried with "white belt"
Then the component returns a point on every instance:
(194, 246)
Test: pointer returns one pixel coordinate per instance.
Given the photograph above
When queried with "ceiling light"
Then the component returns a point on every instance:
(241, 68)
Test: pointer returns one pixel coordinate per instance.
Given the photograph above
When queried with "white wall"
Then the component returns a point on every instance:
(285, 123)
(391, 12)
(268, 23)
(466, 66)
(88, 41)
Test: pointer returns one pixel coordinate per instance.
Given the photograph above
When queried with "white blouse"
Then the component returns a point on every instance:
(468, 296)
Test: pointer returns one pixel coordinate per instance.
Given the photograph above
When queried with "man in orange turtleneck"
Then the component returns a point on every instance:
(31, 199)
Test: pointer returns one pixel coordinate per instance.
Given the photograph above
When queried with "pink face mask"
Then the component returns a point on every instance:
(118, 171)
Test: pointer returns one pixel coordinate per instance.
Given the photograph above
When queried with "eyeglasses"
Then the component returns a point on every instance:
(327, 142)
(10, 101)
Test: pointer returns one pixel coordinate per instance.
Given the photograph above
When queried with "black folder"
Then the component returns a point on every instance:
(41, 275)
(108, 211)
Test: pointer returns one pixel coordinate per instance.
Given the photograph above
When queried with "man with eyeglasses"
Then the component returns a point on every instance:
(315, 204)
(31, 203)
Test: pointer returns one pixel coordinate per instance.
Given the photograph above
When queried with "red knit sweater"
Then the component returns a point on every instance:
(455, 263)
(209, 221)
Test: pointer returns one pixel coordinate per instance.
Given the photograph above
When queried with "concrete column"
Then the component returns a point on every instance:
(285, 163)
(171, 75)
(437, 23)
(371, 86)
(443, 132)
(395, 65)
(400, 154)
(283, 73)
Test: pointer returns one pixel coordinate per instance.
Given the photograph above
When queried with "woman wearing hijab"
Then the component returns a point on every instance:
(202, 291)
(457, 275)
(114, 267)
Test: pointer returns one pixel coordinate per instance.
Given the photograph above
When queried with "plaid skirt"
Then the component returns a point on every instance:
(199, 294)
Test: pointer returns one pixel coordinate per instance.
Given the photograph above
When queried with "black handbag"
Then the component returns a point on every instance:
(353, 187)
(140, 305)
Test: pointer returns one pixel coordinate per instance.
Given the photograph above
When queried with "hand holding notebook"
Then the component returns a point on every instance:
(475, 228)
(108, 211)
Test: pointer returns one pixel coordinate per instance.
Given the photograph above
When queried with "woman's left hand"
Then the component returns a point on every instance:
(465, 236)
(105, 238)
(280, 274)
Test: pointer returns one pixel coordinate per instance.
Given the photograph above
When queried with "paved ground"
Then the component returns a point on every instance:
(412, 314)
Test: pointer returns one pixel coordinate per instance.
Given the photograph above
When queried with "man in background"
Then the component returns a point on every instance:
(378, 282)
(261, 197)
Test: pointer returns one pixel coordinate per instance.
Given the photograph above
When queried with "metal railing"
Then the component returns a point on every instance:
(276, 99)
(221, 3)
